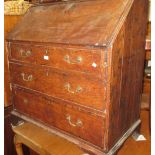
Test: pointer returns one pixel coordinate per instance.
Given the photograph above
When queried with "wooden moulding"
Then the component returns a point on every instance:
(81, 143)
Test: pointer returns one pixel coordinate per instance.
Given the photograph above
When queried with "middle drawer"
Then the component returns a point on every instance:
(78, 88)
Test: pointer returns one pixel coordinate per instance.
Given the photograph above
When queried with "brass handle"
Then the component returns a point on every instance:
(68, 87)
(25, 53)
(77, 124)
(26, 78)
(70, 61)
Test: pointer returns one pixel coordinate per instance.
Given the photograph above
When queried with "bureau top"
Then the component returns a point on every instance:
(85, 23)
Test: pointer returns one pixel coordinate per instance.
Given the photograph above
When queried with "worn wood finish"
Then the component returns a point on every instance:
(127, 72)
(70, 27)
(64, 117)
(24, 135)
(9, 23)
(69, 86)
(87, 61)
(107, 34)
(91, 149)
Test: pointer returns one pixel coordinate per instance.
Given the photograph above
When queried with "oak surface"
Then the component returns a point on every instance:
(9, 23)
(24, 134)
(66, 25)
(97, 88)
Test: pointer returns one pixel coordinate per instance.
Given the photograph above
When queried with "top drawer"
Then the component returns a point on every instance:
(57, 57)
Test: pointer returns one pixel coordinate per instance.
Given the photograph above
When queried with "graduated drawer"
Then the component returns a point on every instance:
(71, 119)
(57, 57)
(74, 87)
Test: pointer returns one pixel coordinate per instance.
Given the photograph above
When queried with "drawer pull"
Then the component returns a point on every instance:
(25, 53)
(70, 61)
(77, 124)
(68, 87)
(28, 78)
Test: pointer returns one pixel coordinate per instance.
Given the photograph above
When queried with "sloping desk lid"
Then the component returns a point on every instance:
(91, 22)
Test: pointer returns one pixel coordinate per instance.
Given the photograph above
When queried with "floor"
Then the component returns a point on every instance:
(132, 147)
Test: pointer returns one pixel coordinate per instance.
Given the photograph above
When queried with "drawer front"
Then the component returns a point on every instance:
(60, 115)
(78, 88)
(62, 58)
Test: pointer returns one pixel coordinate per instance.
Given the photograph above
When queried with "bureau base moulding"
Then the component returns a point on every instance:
(81, 143)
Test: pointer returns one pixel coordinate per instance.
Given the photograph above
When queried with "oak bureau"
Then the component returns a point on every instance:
(76, 68)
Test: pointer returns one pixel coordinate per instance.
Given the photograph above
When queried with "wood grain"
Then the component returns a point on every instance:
(53, 83)
(55, 114)
(127, 72)
(9, 23)
(25, 135)
(58, 57)
(109, 33)
(68, 26)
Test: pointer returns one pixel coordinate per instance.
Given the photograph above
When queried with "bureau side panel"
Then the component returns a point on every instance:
(127, 65)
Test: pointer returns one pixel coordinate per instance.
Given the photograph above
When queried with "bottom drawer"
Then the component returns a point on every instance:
(68, 118)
